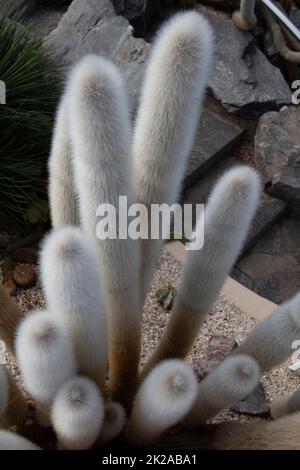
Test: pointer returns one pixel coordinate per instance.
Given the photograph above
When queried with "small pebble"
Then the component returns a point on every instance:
(25, 275)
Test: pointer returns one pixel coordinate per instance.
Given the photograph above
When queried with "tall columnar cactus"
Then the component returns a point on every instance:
(89, 281)
(101, 136)
(227, 217)
(271, 342)
(61, 183)
(167, 119)
(72, 283)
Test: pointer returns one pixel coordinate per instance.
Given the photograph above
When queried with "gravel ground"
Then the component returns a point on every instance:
(224, 319)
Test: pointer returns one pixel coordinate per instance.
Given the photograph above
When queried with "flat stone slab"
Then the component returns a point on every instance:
(254, 405)
(272, 267)
(277, 154)
(269, 210)
(244, 81)
(214, 137)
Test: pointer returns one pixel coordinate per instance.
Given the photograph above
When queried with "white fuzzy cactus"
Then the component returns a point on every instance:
(171, 102)
(72, 283)
(61, 181)
(77, 414)
(232, 381)
(101, 136)
(271, 342)
(227, 218)
(163, 399)
(95, 287)
(45, 356)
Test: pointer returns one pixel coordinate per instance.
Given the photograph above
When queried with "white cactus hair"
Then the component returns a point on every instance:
(113, 423)
(4, 390)
(13, 406)
(171, 102)
(101, 134)
(270, 343)
(77, 414)
(72, 284)
(45, 355)
(163, 399)
(61, 183)
(10, 317)
(232, 381)
(227, 219)
(12, 441)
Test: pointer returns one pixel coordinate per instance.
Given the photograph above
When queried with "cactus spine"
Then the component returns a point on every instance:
(62, 198)
(270, 343)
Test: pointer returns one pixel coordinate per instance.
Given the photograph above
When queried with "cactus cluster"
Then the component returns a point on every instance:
(80, 359)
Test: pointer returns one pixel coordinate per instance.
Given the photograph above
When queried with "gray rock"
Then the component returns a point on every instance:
(219, 347)
(215, 136)
(140, 13)
(92, 26)
(270, 242)
(254, 405)
(244, 80)
(44, 20)
(274, 276)
(242, 278)
(277, 153)
(166, 297)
